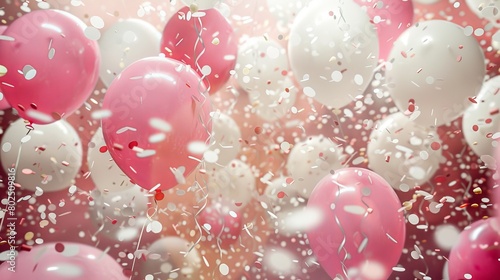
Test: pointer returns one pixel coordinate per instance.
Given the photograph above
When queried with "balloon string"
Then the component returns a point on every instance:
(344, 238)
(137, 248)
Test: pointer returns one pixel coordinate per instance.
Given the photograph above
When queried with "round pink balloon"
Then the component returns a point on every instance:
(62, 261)
(361, 232)
(52, 67)
(391, 17)
(224, 225)
(215, 53)
(3, 101)
(476, 252)
(157, 111)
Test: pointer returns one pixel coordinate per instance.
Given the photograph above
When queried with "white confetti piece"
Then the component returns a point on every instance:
(160, 124)
(101, 114)
(224, 269)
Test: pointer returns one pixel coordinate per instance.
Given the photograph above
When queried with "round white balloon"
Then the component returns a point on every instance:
(404, 153)
(271, 105)
(311, 160)
(435, 66)
(49, 156)
(285, 11)
(225, 141)
(103, 170)
(333, 51)
(488, 9)
(201, 4)
(126, 42)
(119, 215)
(481, 121)
(260, 64)
(235, 184)
(170, 258)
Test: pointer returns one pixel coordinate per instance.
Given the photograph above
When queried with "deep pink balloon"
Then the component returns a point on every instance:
(157, 111)
(52, 67)
(62, 261)
(391, 17)
(360, 218)
(3, 101)
(179, 42)
(223, 224)
(476, 252)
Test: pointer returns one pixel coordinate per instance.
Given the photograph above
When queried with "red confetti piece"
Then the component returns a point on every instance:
(133, 144)
(118, 146)
(473, 100)
(114, 221)
(387, 158)
(258, 130)
(258, 265)
(281, 194)
(59, 247)
(475, 127)
(289, 181)
(33, 105)
(103, 149)
(459, 58)
(403, 53)
(159, 196)
(464, 205)
(435, 146)
(487, 121)
(494, 111)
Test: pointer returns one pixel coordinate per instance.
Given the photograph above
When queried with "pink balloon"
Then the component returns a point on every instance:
(157, 111)
(217, 48)
(3, 101)
(52, 67)
(62, 261)
(360, 218)
(221, 223)
(476, 252)
(391, 17)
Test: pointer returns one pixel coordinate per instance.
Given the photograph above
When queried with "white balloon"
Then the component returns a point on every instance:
(170, 258)
(285, 11)
(481, 121)
(311, 160)
(438, 66)
(119, 215)
(124, 43)
(201, 4)
(225, 141)
(333, 51)
(103, 170)
(400, 151)
(235, 184)
(49, 156)
(260, 63)
(271, 105)
(488, 9)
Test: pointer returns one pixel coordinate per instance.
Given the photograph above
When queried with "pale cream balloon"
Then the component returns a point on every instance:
(481, 121)
(333, 51)
(48, 157)
(126, 42)
(261, 63)
(171, 258)
(119, 215)
(272, 105)
(201, 4)
(224, 141)
(103, 170)
(435, 66)
(234, 184)
(311, 160)
(285, 11)
(404, 153)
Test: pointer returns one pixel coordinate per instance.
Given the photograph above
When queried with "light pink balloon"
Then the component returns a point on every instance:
(3, 101)
(476, 252)
(157, 111)
(360, 218)
(391, 17)
(52, 67)
(216, 49)
(62, 261)
(223, 224)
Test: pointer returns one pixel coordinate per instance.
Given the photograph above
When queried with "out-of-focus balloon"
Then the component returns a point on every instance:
(274, 104)
(404, 153)
(126, 42)
(482, 119)
(362, 233)
(435, 93)
(119, 215)
(49, 157)
(213, 55)
(488, 9)
(157, 113)
(333, 51)
(234, 184)
(261, 63)
(475, 256)
(311, 160)
(223, 224)
(285, 11)
(103, 170)
(225, 141)
(3, 101)
(47, 83)
(63, 261)
(170, 258)
(391, 18)
(201, 4)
